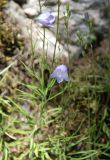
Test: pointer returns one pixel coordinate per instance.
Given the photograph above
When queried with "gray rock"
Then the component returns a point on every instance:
(77, 22)
(50, 3)
(31, 31)
(30, 12)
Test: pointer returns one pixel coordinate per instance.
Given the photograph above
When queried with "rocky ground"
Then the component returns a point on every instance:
(19, 30)
(85, 14)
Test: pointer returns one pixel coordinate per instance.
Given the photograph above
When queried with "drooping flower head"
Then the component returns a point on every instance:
(60, 73)
(46, 19)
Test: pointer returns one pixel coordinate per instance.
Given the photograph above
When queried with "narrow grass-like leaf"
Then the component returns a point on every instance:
(6, 69)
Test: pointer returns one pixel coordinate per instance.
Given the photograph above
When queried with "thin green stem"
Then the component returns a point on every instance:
(69, 64)
(40, 7)
(32, 49)
(43, 60)
(57, 33)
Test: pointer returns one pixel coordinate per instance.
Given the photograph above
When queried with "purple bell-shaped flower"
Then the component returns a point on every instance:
(46, 19)
(60, 73)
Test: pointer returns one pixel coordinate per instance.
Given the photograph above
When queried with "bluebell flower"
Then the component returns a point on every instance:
(60, 73)
(46, 19)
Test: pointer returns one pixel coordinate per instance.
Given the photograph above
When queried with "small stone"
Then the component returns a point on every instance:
(64, 1)
(31, 12)
(50, 3)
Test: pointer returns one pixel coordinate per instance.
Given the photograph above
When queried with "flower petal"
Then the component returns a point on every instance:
(46, 19)
(60, 73)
